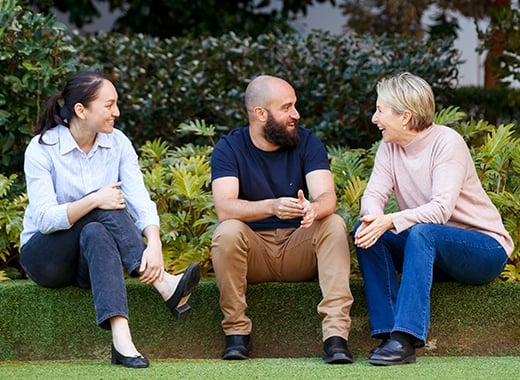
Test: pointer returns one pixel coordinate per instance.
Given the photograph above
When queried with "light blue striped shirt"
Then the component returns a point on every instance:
(58, 173)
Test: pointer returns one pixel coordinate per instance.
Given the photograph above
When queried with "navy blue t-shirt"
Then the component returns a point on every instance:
(268, 175)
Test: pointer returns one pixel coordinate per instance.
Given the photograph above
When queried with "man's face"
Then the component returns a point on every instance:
(283, 133)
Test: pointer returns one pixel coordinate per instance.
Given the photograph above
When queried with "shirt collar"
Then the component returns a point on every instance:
(103, 140)
(68, 144)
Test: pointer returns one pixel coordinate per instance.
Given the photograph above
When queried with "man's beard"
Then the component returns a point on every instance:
(277, 133)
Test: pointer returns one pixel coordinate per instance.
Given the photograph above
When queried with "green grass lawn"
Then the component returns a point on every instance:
(467, 368)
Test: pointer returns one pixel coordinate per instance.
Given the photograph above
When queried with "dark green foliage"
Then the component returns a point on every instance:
(163, 83)
(443, 25)
(497, 105)
(187, 18)
(33, 59)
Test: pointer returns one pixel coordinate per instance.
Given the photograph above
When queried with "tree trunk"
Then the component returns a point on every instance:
(496, 47)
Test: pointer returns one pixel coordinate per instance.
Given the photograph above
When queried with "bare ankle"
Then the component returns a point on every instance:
(166, 287)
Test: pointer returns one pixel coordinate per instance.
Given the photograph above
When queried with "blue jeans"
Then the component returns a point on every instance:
(423, 254)
(91, 254)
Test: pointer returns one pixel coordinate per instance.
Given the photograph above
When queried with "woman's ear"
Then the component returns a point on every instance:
(407, 117)
(80, 111)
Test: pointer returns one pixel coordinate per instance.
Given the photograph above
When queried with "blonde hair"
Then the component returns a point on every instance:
(408, 92)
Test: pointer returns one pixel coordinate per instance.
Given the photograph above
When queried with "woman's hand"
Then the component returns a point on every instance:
(152, 265)
(152, 262)
(110, 197)
(371, 228)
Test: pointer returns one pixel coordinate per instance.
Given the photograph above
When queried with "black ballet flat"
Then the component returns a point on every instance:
(178, 302)
(129, 361)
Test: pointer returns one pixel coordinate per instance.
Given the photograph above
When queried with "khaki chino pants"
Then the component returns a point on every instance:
(241, 256)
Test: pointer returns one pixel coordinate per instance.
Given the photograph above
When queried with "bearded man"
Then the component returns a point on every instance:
(275, 200)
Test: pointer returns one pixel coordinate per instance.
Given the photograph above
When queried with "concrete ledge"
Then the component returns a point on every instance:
(40, 324)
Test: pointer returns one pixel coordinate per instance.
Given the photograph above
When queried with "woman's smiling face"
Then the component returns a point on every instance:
(102, 111)
(394, 127)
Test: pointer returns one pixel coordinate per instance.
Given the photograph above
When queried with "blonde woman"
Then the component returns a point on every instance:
(446, 227)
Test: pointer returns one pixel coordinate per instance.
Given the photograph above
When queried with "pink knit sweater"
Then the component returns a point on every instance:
(435, 181)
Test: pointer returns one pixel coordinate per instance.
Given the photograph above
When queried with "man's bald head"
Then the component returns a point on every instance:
(261, 91)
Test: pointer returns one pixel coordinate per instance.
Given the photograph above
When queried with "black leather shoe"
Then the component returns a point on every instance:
(378, 347)
(393, 353)
(178, 302)
(335, 351)
(237, 347)
(129, 361)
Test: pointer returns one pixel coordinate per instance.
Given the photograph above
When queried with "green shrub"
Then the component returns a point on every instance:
(179, 183)
(163, 83)
(11, 221)
(167, 83)
(33, 58)
(496, 105)
(496, 154)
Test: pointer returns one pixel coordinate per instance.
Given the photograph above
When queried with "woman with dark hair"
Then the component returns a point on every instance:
(89, 210)
(446, 228)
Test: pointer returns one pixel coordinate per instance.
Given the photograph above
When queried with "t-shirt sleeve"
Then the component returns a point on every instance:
(223, 164)
(315, 155)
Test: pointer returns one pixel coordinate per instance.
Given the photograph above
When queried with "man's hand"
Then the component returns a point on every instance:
(288, 208)
(309, 213)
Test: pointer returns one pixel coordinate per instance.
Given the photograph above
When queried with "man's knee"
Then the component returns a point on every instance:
(229, 231)
(334, 220)
(334, 226)
(228, 238)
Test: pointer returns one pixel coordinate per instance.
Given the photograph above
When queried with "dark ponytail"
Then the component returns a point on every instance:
(82, 87)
